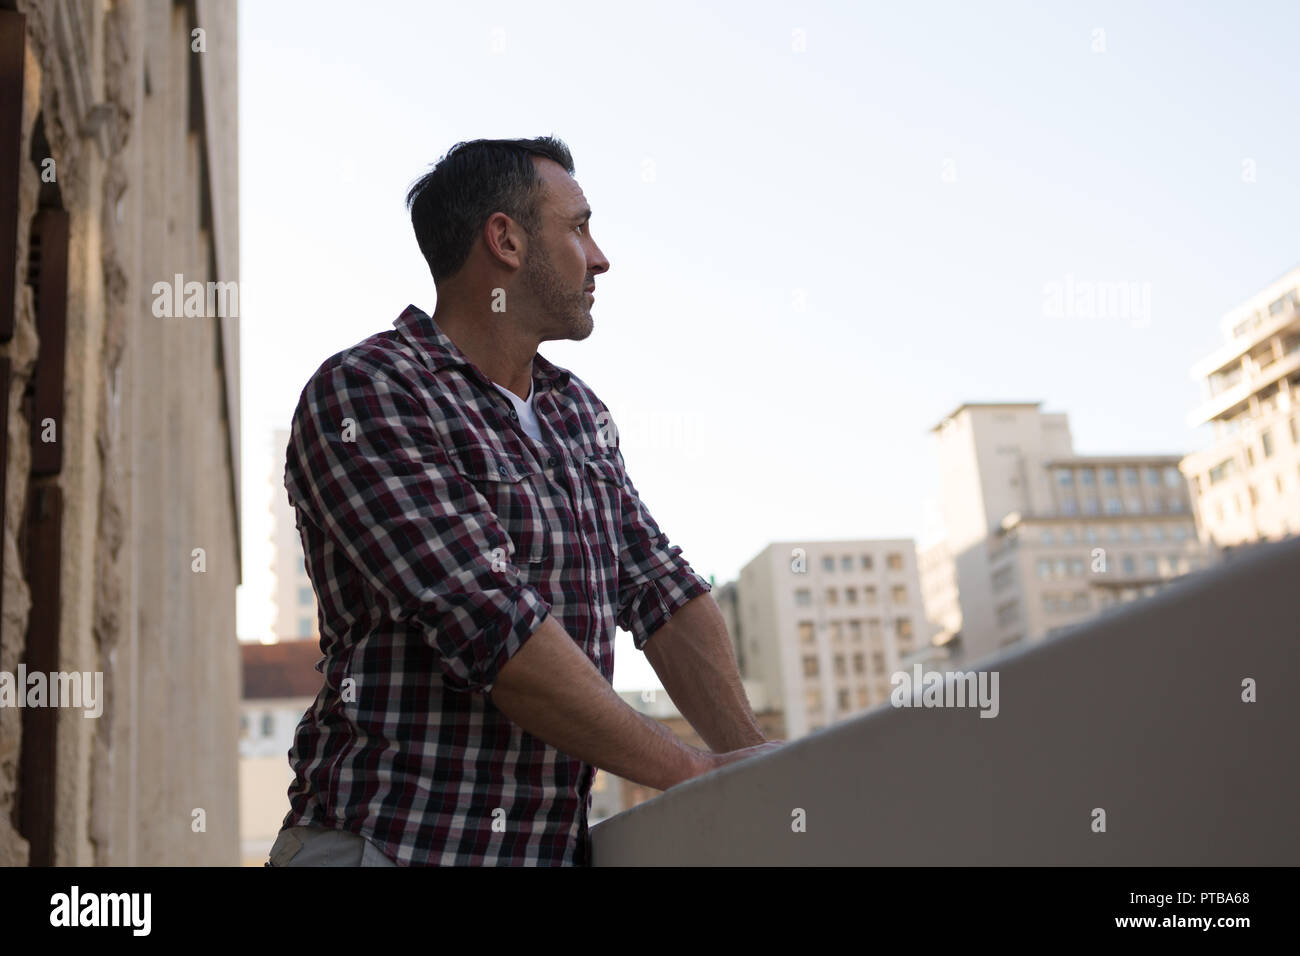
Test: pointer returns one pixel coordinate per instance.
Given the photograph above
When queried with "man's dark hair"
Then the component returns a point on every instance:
(451, 202)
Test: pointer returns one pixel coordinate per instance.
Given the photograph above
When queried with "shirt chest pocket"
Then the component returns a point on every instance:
(605, 487)
(513, 489)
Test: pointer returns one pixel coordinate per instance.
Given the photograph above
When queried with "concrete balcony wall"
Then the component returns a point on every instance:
(1138, 712)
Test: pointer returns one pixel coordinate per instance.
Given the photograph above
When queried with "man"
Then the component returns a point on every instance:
(474, 541)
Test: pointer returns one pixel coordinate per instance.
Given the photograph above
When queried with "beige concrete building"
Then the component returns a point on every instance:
(1038, 538)
(1246, 484)
(824, 624)
(280, 684)
(295, 601)
(120, 462)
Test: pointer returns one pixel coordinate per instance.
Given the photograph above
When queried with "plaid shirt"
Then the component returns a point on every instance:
(438, 536)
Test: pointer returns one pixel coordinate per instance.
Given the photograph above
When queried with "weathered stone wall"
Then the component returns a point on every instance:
(150, 433)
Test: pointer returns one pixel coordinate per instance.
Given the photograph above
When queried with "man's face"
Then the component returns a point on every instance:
(562, 261)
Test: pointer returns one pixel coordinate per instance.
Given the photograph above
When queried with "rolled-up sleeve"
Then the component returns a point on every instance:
(365, 464)
(654, 580)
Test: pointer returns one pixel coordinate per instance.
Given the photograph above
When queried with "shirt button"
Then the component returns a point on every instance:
(501, 469)
(514, 414)
(551, 460)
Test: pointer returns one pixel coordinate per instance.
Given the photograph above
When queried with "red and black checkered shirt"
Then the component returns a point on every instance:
(438, 536)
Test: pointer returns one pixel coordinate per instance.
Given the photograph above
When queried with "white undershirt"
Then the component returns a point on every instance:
(524, 409)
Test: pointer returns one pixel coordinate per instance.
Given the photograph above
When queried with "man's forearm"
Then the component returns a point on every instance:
(552, 690)
(693, 657)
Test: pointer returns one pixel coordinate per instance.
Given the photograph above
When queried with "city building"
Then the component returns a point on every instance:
(119, 455)
(280, 684)
(1246, 484)
(295, 601)
(1037, 537)
(824, 625)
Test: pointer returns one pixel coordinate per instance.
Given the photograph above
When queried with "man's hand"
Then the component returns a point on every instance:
(712, 762)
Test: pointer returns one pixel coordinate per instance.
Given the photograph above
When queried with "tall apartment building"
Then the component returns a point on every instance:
(295, 601)
(824, 624)
(1246, 484)
(1038, 537)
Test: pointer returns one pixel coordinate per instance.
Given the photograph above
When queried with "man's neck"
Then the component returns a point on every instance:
(493, 345)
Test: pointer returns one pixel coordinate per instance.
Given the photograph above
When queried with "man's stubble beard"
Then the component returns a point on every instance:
(556, 305)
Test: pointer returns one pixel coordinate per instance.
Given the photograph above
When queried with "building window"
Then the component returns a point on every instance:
(898, 594)
(1266, 442)
(873, 629)
(1108, 476)
(841, 667)
(1002, 578)
(832, 596)
(1114, 507)
(243, 725)
(904, 628)
(855, 631)
(1046, 537)
(867, 562)
(894, 561)
(812, 699)
(859, 663)
(1135, 533)
(1157, 532)
(828, 563)
(1135, 506)
(842, 698)
(806, 633)
(869, 594)
(1067, 536)
(1115, 533)
(1090, 534)
(1076, 567)
(1223, 471)
(878, 661)
(1153, 476)
(802, 597)
(1008, 613)
(1130, 476)
(1172, 478)
(862, 697)
(304, 627)
(1128, 564)
(851, 595)
(1069, 506)
(837, 632)
(1065, 477)
(1149, 566)
(268, 724)
(846, 562)
(1295, 430)
(305, 596)
(1090, 506)
(1087, 477)
(1044, 569)
(810, 666)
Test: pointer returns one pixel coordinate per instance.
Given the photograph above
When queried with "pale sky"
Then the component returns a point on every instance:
(828, 225)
